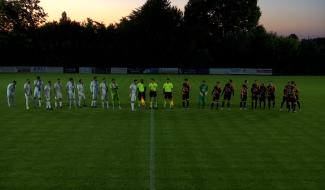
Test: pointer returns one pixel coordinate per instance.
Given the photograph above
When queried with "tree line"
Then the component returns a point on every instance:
(208, 33)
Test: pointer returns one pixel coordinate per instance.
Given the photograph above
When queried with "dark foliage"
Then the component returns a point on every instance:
(211, 33)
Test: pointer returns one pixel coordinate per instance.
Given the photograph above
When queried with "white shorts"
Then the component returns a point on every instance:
(133, 97)
(58, 96)
(105, 97)
(94, 96)
(10, 95)
(71, 95)
(81, 96)
(27, 96)
(37, 94)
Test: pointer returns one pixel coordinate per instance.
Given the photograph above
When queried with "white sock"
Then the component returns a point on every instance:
(39, 103)
(27, 103)
(132, 106)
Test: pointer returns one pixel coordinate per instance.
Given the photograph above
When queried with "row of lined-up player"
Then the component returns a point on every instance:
(260, 93)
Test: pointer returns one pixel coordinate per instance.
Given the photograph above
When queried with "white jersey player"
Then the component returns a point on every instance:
(94, 89)
(133, 93)
(104, 93)
(58, 94)
(71, 92)
(81, 94)
(27, 93)
(47, 94)
(38, 84)
(11, 92)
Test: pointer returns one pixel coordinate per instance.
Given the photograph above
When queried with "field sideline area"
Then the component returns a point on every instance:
(194, 149)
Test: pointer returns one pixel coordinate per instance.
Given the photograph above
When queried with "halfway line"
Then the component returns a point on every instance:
(152, 166)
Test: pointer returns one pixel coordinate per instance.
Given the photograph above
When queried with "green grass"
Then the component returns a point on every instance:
(167, 150)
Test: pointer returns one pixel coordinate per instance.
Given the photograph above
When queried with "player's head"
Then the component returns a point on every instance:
(28, 81)
(230, 81)
(113, 80)
(49, 82)
(71, 79)
(218, 82)
(186, 80)
(152, 79)
(135, 81)
(14, 82)
(203, 81)
(167, 80)
(142, 81)
(293, 83)
(270, 83)
(246, 82)
(80, 81)
(58, 80)
(95, 78)
(104, 80)
(38, 78)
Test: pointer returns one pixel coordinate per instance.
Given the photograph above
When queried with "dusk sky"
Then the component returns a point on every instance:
(303, 17)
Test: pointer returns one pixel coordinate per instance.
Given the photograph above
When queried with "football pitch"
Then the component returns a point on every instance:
(178, 149)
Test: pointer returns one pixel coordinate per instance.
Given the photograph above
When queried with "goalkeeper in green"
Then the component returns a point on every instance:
(115, 95)
(203, 94)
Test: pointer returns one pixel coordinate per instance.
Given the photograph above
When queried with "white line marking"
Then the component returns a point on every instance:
(152, 166)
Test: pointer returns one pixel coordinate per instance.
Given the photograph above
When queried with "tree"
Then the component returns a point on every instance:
(221, 17)
(64, 18)
(151, 30)
(20, 15)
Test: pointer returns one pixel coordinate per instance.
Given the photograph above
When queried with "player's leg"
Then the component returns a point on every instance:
(298, 102)
(217, 102)
(165, 99)
(117, 99)
(223, 103)
(228, 102)
(294, 104)
(107, 102)
(245, 103)
(9, 100)
(184, 100)
(133, 99)
(39, 99)
(203, 101)
(56, 102)
(156, 101)
(187, 102)
(27, 102)
(113, 101)
(171, 101)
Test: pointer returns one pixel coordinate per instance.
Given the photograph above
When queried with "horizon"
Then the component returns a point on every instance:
(282, 17)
